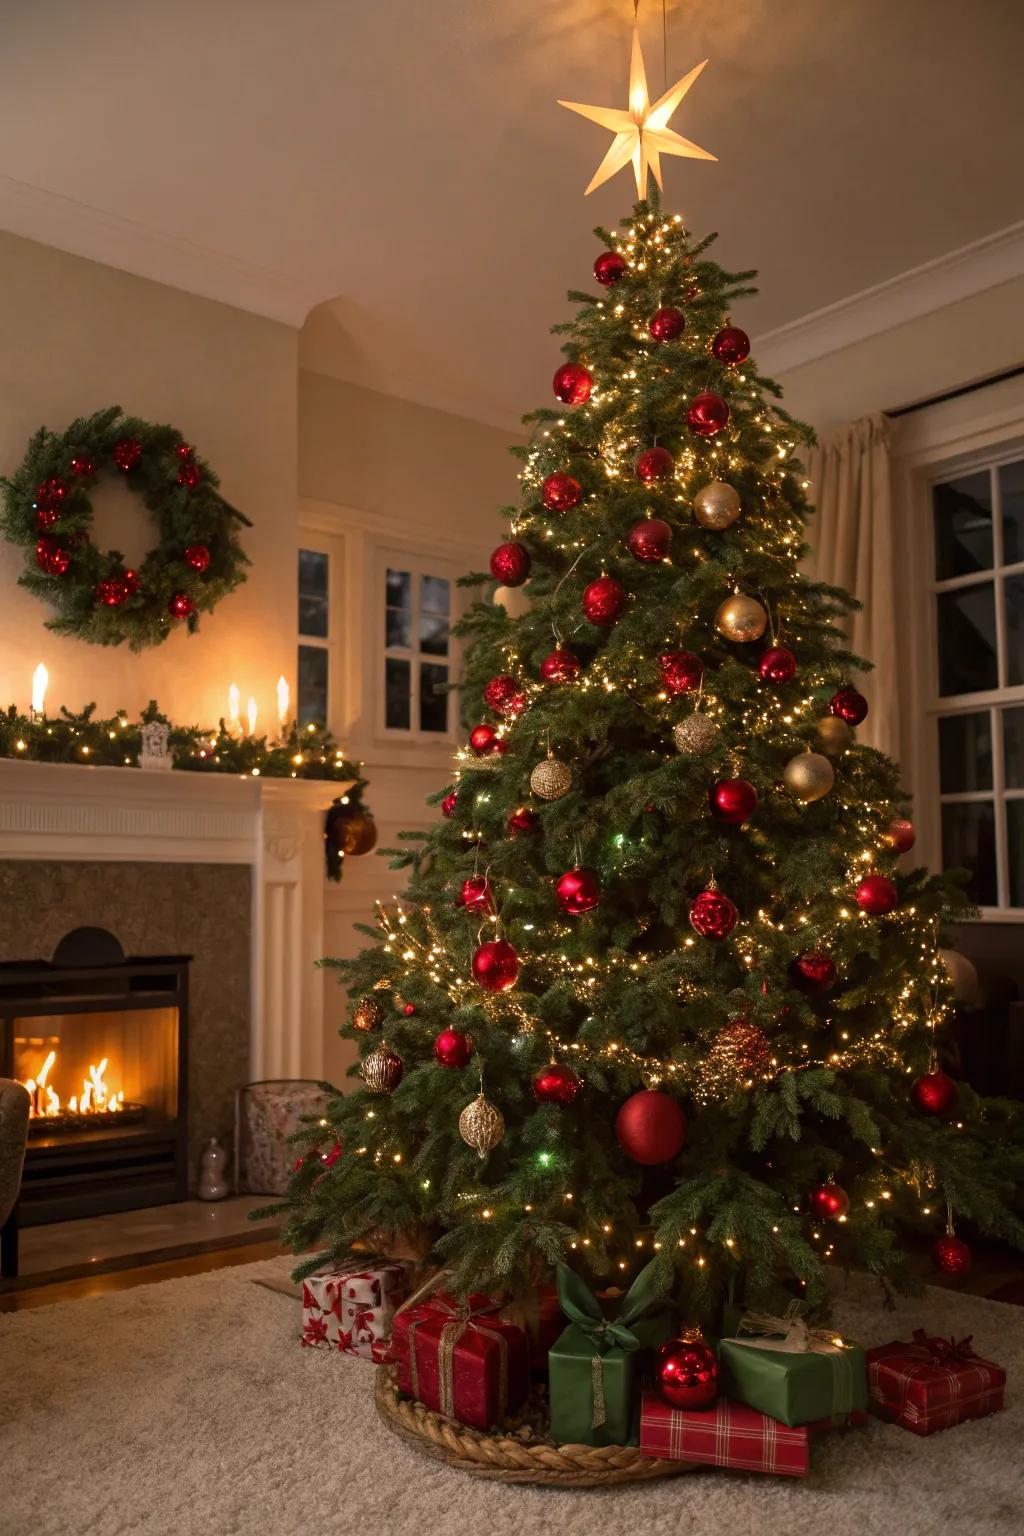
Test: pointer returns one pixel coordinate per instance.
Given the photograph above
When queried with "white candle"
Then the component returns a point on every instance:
(283, 700)
(251, 713)
(40, 678)
(234, 706)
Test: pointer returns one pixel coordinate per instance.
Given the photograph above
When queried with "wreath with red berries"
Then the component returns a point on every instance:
(47, 511)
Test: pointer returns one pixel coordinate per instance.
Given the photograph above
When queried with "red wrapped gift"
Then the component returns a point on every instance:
(727, 1435)
(540, 1317)
(461, 1358)
(932, 1383)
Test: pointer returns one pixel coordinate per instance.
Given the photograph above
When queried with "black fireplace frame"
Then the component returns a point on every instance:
(112, 1167)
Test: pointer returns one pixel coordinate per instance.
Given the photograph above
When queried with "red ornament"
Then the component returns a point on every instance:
(50, 495)
(876, 895)
(560, 666)
(180, 606)
(686, 1373)
(560, 492)
(408, 1009)
(510, 564)
(190, 474)
(83, 466)
(901, 836)
(731, 345)
(449, 803)
(707, 415)
(733, 801)
(452, 1048)
(667, 324)
(496, 965)
(742, 1045)
(127, 453)
(197, 556)
(572, 384)
(578, 891)
(713, 915)
(681, 671)
(650, 1127)
(504, 696)
(829, 1202)
(52, 557)
(328, 1158)
(609, 267)
(131, 582)
(484, 739)
(654, 464)
(777, 666)
(476, 895)
(555, 1084)
(813, 971)
(849, 705)
(523, 820)
(934, 1093)
(951, 1256)
(650, 540)
(111, 593)
(603, 601)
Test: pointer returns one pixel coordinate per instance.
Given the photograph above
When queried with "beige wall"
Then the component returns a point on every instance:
(78, 336)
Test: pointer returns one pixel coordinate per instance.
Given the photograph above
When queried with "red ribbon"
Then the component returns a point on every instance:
(945, 1351)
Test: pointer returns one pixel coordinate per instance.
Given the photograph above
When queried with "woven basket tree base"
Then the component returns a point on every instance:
(508, 1460)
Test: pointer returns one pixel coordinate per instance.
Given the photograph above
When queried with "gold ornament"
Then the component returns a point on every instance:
(481, 1125)
(695, 736)
(358, 834)
(741, 618)
(808, 776)
(834, 735)
(717, 505)
(382, 1069)
(551, 779)
(368, 1014)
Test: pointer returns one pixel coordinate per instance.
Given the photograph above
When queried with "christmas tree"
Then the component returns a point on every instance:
(658, 985)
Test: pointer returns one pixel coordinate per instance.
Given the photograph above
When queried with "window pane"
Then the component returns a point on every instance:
(312, 707)
(965, 753)
(434, 634)
(963, 525)
(397, 628)
(433, 703)
(969, 842)
(435, 594)
(1011, 485)
(1015, 850)
(1013, 601)
(1013, 748)
(313, 609)
(967, 640)
(396, 693)
(399, 589)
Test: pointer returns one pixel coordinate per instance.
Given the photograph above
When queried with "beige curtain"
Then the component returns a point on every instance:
(852, 545)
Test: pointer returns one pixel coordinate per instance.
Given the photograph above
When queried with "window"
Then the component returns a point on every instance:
(978, 522)
(315, 633)
(417, 621)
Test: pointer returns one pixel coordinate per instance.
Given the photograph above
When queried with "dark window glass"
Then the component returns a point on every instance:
(965, 753)
(1011, 486)
(433, 634)
(962, 511)
(1015, 850)
(314, 616)
(1013, 748)
(397, 628)
(969, 842)
(312, 707)
(967, 640)
(433, 703)
(435, 594)
(396, 693)
(399, 589)
(1013, 639)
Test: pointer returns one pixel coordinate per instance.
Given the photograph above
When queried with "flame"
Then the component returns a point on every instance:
(96, 1097)
(44, 1070)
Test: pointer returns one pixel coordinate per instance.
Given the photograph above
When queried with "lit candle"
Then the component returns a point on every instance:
(40, 678)
(251, 713)
(283, 700)
(234, 706)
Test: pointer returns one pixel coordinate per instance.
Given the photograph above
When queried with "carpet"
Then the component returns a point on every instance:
(188, 1408)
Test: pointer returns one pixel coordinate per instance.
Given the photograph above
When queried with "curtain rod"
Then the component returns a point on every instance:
(955, 394)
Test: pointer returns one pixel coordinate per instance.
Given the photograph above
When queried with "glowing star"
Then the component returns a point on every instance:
(641, 133)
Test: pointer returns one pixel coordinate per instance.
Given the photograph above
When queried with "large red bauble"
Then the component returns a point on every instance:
(707, 415)
(127, 453)
(560, 492)
(650, 1127)
(180, 606)
(733, 801)
(681, 671)
(609, 267)
(484, 739)
(951, 1256)
(496, 965)
(849, 705)
(190, 474)
(578, 891)
(603, 601)
(829, 1201)
(452, 1048)
(504, 695)
(686, 1373)
(46, 517)
(731, 345)
(198, 557)
(50, 494)
(876, 895)
(555, 1084)
(449, 803)
(713, 915)
(560, 666)
(184, 450)
(901, 836)
(523, 820)
(111, 593)
(510, 564)
(667, 324)
(777, 666)
(52, 557)
(934, 1093)
(475, 894)
(654, 464)
(650, 540)
(813, 971)
(572, 384)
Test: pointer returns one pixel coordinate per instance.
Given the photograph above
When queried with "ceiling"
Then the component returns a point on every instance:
(406, 161)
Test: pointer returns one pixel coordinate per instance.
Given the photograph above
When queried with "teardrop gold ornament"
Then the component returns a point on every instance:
(481, 1125)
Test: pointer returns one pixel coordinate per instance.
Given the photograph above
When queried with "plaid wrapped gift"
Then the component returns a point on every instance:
(932, 1383)
(461, 1359)
(351, 1306)
(728, 1435)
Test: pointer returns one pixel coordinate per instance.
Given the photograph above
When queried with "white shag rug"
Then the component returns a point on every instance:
(188, 1409)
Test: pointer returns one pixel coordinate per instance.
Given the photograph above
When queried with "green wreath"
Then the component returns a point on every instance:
(47, 511)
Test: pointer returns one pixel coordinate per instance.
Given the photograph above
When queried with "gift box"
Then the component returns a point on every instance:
(462, 1359)
(793, 1373)
(932, 1383)
(351, 1306)
(727, 1435)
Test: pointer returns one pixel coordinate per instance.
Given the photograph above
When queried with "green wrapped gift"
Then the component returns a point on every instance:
(592, 1367)
(791, 1372)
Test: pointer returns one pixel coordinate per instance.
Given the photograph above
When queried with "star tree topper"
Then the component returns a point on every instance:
(641, 132)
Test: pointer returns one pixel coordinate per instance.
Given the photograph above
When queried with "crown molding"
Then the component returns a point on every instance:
(995, 259)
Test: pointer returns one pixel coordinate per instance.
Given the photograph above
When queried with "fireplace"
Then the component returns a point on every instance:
(100, 1040)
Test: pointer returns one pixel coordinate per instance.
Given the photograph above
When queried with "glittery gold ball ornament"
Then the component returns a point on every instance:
(382, 1069)
(481, 1125)
(696, 735)
(368, 1014)
(834, 735)
(741, 618)
(808, 776)
(551, 779)
(717, 505)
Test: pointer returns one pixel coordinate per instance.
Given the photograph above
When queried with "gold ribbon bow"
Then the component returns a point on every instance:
(461, 1320)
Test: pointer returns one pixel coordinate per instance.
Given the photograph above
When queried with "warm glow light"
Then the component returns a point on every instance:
(250, 711)
(234, 704)
(283, 701)
(40, 678)
(95, 1098)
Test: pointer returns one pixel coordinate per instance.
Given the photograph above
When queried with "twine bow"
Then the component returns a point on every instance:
(581, 1307)
(945, 1351)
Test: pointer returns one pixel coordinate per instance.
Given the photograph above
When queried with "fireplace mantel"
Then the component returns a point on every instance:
(73, 812)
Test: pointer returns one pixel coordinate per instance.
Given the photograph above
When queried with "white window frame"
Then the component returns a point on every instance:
(417, 564)
(333, 546)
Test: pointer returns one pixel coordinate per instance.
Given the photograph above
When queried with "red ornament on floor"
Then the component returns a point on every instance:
(198, 557)
(686, 1373)
(813, 971)
(52, 557)
(609, 268)
(713, 915)
(484, 740)
(449, 803)
(901, 836)
(951, 1256)
(731, 345)
(603, 601)
(733, 801)
(578, 891)
(681, 671)
(496, 965)
(829, 1202)
(180, 606)
(127, 453)
(777, 666)
(877, 895)
(475, 895)
(510, 564)
(654, 464)
(560, 492)
(707, 415)
(572, 384)
(650, 540)
(560, 666)
(667, 324)
(650, 1127)
(523, 820)
(934, 1093)
(504, 695)
(452, 1048)
(555, 1084)
(849, 705)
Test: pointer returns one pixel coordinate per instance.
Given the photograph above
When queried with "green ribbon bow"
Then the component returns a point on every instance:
(581, 1307)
